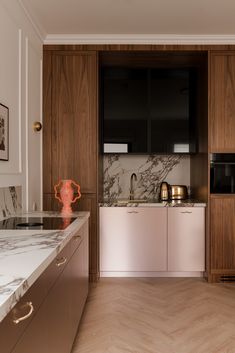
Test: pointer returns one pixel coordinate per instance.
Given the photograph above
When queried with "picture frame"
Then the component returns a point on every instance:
(4, 133)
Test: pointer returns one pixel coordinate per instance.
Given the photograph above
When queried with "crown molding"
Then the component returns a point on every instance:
(140, 39)
(37, 27)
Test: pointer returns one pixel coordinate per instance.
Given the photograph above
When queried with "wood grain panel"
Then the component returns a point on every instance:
(71, 136)
(222, 230)
(137, 47)
(74, 119)
(222, 119)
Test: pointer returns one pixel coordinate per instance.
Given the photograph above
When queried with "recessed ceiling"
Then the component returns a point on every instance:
(133, 17)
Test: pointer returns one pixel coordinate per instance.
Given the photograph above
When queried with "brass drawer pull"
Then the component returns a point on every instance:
(186, 212)
(77, 237)
(132, 212)
(60, 262)
(31, 309)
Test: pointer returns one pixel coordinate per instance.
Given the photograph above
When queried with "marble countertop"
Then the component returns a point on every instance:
(154, 203)
(25, 254)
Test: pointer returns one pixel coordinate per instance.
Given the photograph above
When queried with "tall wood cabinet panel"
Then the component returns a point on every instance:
(71, 140)
(222, 104)
(74, 119)
(222, 228)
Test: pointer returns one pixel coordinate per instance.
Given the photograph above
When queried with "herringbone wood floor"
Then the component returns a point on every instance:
(158, 316)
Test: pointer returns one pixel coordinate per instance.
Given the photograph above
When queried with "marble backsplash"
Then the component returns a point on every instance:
(10, 201)
(151, 170)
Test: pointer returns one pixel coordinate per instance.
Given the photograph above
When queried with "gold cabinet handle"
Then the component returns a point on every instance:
(22, 318)
(77, 237)
(60, 262)
(186, 212)
(132, 212)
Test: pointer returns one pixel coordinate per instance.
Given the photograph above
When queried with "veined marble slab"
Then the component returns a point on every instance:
(150, 170)
(25, 254)
(183, 203)
(10, 201)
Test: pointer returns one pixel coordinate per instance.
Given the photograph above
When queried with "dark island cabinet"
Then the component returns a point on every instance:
(54, 323)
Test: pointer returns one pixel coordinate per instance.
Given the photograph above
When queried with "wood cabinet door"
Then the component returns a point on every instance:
(186, 239)
(222, 102)
(222, 228)
(133, 239)
(74, 123)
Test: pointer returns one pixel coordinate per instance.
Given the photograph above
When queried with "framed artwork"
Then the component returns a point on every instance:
(4, 133)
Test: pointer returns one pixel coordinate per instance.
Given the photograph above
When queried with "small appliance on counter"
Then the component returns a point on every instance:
(164, 191)
(178, 192)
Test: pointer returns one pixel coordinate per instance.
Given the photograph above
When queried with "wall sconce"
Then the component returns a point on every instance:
(37, 126)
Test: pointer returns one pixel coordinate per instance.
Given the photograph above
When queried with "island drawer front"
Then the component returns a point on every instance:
(11, 332)
(78, 238)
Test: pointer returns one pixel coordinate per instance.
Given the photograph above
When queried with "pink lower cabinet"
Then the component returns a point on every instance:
(186, 239)
(133, 240)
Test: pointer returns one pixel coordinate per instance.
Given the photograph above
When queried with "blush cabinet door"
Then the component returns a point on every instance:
(133, 239)
(186, 239)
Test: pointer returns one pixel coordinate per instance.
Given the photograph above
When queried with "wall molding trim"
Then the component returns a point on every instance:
(20, 101)
(38, 29)
(154, 39)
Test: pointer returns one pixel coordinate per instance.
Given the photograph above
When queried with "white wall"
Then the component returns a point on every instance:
(21, 91)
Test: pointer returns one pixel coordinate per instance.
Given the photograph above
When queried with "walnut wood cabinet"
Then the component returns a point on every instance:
(222, 102)
(70, 142)
(58, 298)
(222, 228)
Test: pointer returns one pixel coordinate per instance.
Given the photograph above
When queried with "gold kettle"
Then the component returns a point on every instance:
(164, 191)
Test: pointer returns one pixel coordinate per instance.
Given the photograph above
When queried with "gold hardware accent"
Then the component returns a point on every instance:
(186, 212)
(77, 237)
(37, 126)
(60, 262)
(132, 212)
(22, 318)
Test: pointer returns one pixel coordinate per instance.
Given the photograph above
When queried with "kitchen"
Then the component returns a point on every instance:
(122, 199)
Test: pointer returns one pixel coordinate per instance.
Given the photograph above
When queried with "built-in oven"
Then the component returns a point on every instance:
(222, 173)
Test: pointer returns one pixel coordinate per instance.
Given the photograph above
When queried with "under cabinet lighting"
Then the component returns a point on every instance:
(181, 148)
(115, 148)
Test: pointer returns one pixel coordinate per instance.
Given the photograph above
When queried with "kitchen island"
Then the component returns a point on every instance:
(32, 265)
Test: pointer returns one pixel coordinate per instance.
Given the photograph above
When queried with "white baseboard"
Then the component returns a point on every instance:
(151, 274)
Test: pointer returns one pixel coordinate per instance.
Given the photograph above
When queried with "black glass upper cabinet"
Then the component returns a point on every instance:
(147, 110)
(172, 110)
(125, 110)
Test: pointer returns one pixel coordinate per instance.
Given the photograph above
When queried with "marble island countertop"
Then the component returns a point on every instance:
(153, 203)
(25, 254)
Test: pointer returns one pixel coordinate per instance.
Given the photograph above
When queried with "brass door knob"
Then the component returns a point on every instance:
(37, 126)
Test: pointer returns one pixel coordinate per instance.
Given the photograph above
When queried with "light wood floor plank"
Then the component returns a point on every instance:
(160, 315)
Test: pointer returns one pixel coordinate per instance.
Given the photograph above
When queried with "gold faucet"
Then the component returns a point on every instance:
(133, 176)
